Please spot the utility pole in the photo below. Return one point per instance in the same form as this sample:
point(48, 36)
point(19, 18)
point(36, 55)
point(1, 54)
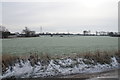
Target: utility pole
point(40, 29)
point(68, 33)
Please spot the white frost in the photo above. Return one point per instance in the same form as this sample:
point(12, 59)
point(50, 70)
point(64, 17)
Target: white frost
point(57, 67)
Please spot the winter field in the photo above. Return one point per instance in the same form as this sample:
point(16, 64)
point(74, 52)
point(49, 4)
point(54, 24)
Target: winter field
point(58, 56)
point(59, 45)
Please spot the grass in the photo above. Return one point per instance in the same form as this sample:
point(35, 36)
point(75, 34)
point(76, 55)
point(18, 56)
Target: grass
point(8, 60)
point(117, 53)
point(97, 57)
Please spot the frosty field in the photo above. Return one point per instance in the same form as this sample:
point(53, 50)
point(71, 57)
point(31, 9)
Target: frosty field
point(58, 45)
point(45, 65)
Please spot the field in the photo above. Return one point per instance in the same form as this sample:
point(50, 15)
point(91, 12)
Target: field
point(58, 45)
point(56, 56)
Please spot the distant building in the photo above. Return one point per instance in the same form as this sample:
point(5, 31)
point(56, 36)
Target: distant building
point(28, 33)
point(32, 33)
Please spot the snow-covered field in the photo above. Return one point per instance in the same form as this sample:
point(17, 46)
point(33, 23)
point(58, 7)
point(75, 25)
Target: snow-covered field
point(58, 67)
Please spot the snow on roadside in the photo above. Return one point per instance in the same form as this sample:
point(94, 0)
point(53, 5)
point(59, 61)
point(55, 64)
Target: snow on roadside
point(57, 67)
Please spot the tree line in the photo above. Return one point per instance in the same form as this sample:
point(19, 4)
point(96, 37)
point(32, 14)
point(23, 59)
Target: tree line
point(26, 32)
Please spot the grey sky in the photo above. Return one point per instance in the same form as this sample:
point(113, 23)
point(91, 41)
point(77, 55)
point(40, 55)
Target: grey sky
point(61, 16)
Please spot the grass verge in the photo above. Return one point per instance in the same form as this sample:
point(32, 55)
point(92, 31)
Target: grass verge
point(98, 57)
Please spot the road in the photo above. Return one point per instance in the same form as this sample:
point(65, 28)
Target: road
point(109, 75)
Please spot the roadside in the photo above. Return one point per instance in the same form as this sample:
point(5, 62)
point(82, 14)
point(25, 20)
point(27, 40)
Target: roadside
point(97, 76)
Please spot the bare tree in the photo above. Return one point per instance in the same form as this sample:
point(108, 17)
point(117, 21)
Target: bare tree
point(26, 31)
point(4, 33)
point(85, 32)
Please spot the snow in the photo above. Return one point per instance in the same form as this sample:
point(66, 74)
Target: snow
point(57, 67)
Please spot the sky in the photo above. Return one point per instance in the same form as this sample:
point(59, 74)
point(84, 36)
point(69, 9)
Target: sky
point(60, 15)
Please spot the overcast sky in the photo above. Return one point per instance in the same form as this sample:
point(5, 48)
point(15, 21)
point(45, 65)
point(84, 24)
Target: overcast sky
point(61, 15)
